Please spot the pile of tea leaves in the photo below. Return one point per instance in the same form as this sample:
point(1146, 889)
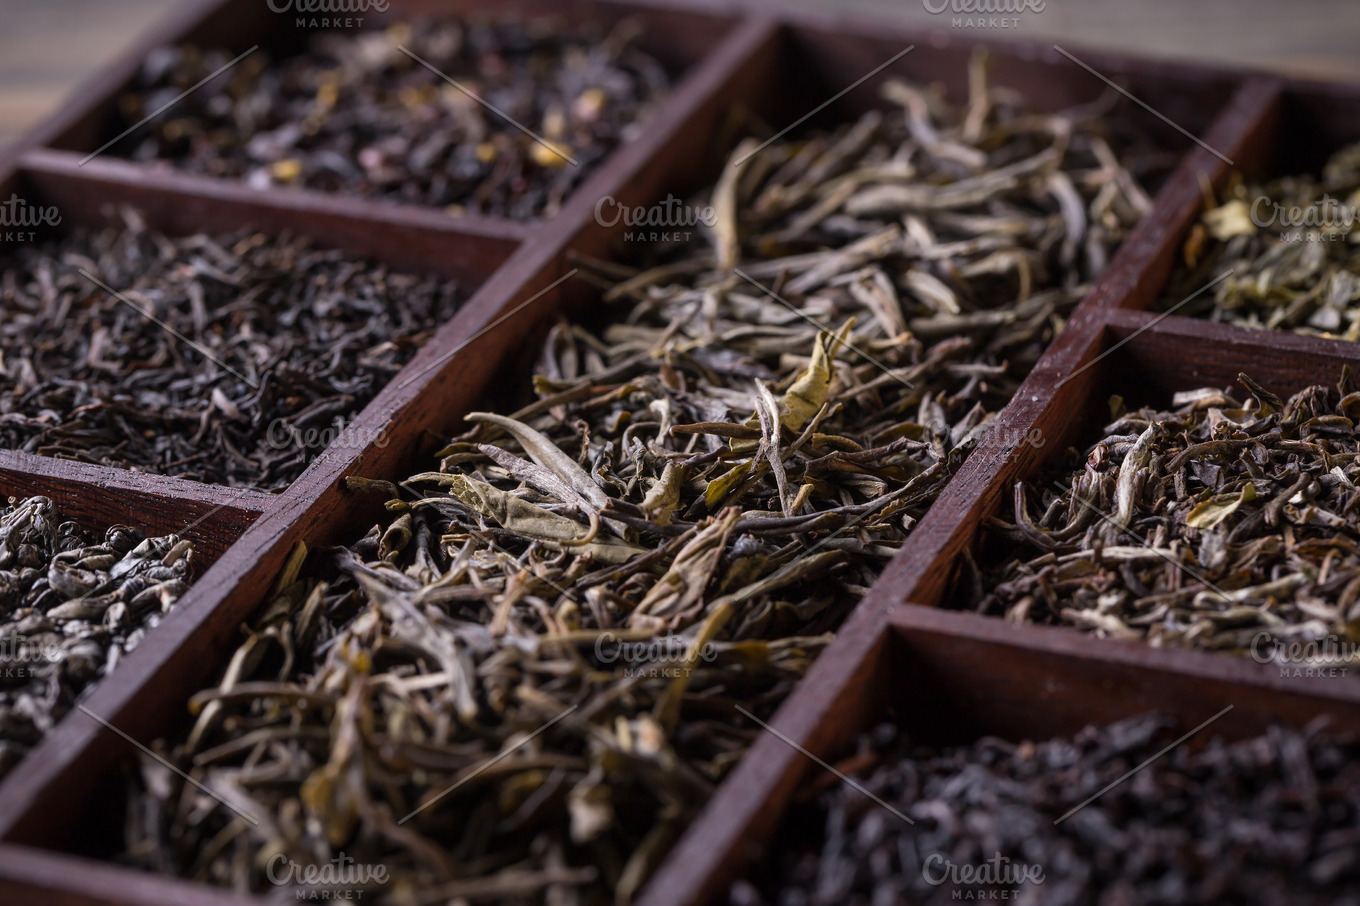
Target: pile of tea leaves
point(1264, 820)
point(71, 605)
point(558, 621)
point(1288, 248)
point(233, 360)
point(970, 230)
point(1217, 524)
point(500, 117)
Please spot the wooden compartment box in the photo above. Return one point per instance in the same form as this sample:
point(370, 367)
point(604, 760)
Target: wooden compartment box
point(732, 67)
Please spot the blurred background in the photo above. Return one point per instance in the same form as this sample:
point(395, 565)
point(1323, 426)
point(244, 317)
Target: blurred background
point(48, 46)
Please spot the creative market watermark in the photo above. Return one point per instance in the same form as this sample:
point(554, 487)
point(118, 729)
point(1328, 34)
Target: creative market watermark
point(20, 220)
point(994, 445)
point(1007, 438)
point(333, 13)
point(339, 879)
point(666, 656)
point(283, 435)
point(998, 878)
point(669, 220)
point(1324, 220)
point(19, 655)
point(983, 13)
point(1322, 658)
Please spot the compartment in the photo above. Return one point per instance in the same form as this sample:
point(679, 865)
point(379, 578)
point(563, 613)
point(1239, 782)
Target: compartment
point(89, 568)
point(400, 108)
point(947, 680)
point(1187, 566)
point(1008, 447)
point(807, 77)
point(236, 358)
point(1274, 251)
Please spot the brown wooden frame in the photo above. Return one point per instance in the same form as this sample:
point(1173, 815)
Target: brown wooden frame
point(994, 677)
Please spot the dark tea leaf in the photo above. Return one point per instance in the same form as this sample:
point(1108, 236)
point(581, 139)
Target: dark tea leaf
point(233, 360)
point(1261, 821)
point(70, 607)
point(355, 113)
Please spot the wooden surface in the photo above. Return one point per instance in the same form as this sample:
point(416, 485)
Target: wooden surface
point(969, 664)
point(995, 677)
point(47, 47)
point(212, 518)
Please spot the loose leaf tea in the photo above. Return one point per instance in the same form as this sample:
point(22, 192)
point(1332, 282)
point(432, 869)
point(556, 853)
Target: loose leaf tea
point(1265, 820)
point(1290, 245)
point(958, 238)
point(524, 683)
point(233, 360)
point(71, 606)
point(1219, 524)
point(355, 113)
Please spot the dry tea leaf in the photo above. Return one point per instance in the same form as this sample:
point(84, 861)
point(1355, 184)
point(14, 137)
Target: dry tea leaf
point(279, 345)
point(1211, 513)
point(356, 112)
point(71, 606)
point(1290, 245)
point(1217, 524)
point(1051, 822)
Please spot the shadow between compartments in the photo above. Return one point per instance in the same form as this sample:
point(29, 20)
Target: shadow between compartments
point(751, 68)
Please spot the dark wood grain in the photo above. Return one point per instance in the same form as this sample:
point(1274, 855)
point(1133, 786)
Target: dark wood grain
point(98, 496)
point(1020, 681)
point(1168, 353)
point(33, 877)
point(465, 248)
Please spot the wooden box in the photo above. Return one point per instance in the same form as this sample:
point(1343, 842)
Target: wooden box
point(982, 675)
